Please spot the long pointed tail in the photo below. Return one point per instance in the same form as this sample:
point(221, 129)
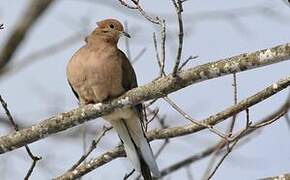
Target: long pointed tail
point(136, 146)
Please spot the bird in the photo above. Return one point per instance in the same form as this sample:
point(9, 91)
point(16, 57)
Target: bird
point(98, 72)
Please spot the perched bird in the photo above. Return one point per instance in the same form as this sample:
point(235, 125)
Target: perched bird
point(100, 71)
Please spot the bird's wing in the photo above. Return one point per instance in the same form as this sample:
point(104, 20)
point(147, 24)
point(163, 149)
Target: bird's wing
point(129, 80)
point(137, 147)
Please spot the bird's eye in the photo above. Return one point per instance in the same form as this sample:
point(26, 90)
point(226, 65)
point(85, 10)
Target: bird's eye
point(111, 26)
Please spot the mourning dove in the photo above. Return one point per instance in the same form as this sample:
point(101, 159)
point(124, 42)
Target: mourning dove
point(98, 72)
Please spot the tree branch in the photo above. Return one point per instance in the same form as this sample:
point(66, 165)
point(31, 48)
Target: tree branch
point(156, 89)
point(280, 177)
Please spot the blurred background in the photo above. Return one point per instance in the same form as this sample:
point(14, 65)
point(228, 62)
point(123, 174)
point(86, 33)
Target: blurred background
point(35, 87)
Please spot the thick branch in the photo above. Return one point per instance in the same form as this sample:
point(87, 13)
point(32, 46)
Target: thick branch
point(155, 89)
point(280, 177)
point(33, 12)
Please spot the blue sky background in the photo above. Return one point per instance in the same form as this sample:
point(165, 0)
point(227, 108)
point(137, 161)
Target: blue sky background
point(213, 30)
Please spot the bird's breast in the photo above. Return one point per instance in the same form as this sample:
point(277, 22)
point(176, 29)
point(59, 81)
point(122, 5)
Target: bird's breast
point(99, 76)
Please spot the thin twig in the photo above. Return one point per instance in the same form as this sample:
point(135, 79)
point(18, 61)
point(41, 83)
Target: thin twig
point(232, 124)
point(229, 149)
point(222, 159)
point(161, 62)
point(230, 131)
point(242, 133)
point(92, 147)
point(235, 141)
point(151, 102)
point(186, 116)
point(138, 56)
point(156, 50)
point(154, 20)
point(137, 6)
point(154, 115)
point(14, 124)
point(162, 147)
point(269, 122)
point(129, 174)
point(127, 5)
point(186, 61)
point(162, 124)
point(179, 10)
point(163, 50)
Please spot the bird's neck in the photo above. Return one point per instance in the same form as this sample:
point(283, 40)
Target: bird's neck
point(101, 42)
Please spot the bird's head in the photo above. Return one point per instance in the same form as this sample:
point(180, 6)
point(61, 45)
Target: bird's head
point(109, 30)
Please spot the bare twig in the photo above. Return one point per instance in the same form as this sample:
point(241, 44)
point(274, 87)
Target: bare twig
point(154, 115)
point(157, 52)
point(232, 124)
point(163, 41)
point(92, 147)
point(179, 9)
point(137, 6)
point(183, 163)
point(229, 149)
point(129, 174)
point(242, 133)
point(162, 147)
point(222, 159)
point(270, 121)
point(154, 20)
point(211, 163)
point(162, 124)
point(186, 116)
point(127, 5)
point(139, 55)
point(33, 157)
point(186, 61)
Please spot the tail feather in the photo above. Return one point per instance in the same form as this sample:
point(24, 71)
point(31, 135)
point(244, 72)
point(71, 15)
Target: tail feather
point(145, 170)
point(136, 146)
point(139, 138)
point(130, 149)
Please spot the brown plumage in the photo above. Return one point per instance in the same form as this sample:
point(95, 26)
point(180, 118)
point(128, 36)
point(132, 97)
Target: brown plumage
point(99, 71)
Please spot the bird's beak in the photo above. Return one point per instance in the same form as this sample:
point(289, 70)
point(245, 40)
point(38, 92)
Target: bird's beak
point(126, 34)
